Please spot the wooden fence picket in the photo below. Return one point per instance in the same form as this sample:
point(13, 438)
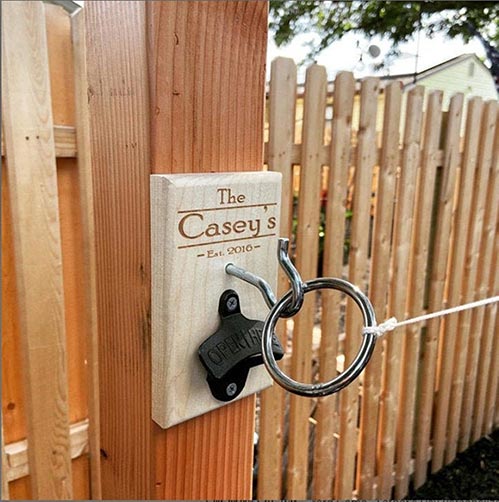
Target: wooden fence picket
point(416, 286)
point(490, 329)
point(438, 269)
point(481, 156)
point(326, 413)
point(378, 286)
point(397, 294)
point(358, 255)
point(32, 184)
point(477, 261)
point(484, 289)
point(443, 419)
point(307, 250)
point(282, 102)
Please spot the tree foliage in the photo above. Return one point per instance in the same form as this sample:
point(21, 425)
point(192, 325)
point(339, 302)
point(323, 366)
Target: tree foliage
point(396, 21)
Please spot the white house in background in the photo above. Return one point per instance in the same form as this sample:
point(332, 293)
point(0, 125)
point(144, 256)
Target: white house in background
point(465, 73)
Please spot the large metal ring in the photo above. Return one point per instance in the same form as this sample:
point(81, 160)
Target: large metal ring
point(348, 375)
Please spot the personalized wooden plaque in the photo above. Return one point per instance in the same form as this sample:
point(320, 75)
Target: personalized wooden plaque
point(199, 223)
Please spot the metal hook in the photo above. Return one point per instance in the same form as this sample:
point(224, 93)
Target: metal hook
point(297, 294)
point(289, 305)
point(356, 366)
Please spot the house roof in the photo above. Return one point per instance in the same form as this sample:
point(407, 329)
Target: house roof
point(407, 78)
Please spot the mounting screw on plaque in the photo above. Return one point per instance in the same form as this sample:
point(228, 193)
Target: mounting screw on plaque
point(233, 349)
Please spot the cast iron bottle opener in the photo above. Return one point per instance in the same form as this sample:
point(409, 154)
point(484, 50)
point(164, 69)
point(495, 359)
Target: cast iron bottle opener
point(233, 349)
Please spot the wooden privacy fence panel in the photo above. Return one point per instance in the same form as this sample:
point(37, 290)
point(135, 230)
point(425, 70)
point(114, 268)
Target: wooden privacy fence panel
point(46, 398)
point(412, 221)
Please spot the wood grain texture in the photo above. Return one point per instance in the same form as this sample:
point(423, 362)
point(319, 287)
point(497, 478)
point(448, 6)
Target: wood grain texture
point(20, 489)
point(85, 200)
point(206, 73)
point(64, 139)
point(282, 102)
point(402, 229)
point(5, 481)
point(16, 454)
point(118, 111)
point(455, 282)
point(476, 268)
point(357, 266)
point(470, 265)
point(185, 210)
point(30, 143)
point(13, 401)
point(440, 252)
point(489, 327)
point(324, 154)
point(378, 287)
point(80, 468)
point(485, 288)
point(207, 85)
point(73, 273)
point(61, 70)
point(326, 413)
point(307, 250)
point(416, 287)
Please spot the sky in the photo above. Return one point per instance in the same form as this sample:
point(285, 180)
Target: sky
point(344, 54)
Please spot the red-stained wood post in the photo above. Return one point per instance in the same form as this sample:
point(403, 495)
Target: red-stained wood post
point(173, 87)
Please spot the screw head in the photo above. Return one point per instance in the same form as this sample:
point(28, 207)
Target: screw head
point(231, 303)
point(231, 389)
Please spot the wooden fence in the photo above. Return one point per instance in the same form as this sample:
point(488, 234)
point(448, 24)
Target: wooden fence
point(419, 222)
point(421, 235)
point(49, 358)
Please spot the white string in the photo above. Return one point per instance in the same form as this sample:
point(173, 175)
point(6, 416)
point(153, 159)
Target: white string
point(392, 323)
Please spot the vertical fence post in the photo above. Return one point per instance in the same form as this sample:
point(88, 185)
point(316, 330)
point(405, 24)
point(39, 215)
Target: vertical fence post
point(32, 183)
point(85, 183)
point(172, 87)
point(118, 110)
point(206, 71)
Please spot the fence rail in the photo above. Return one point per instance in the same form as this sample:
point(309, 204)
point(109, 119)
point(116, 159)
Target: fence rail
point(421, 236)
